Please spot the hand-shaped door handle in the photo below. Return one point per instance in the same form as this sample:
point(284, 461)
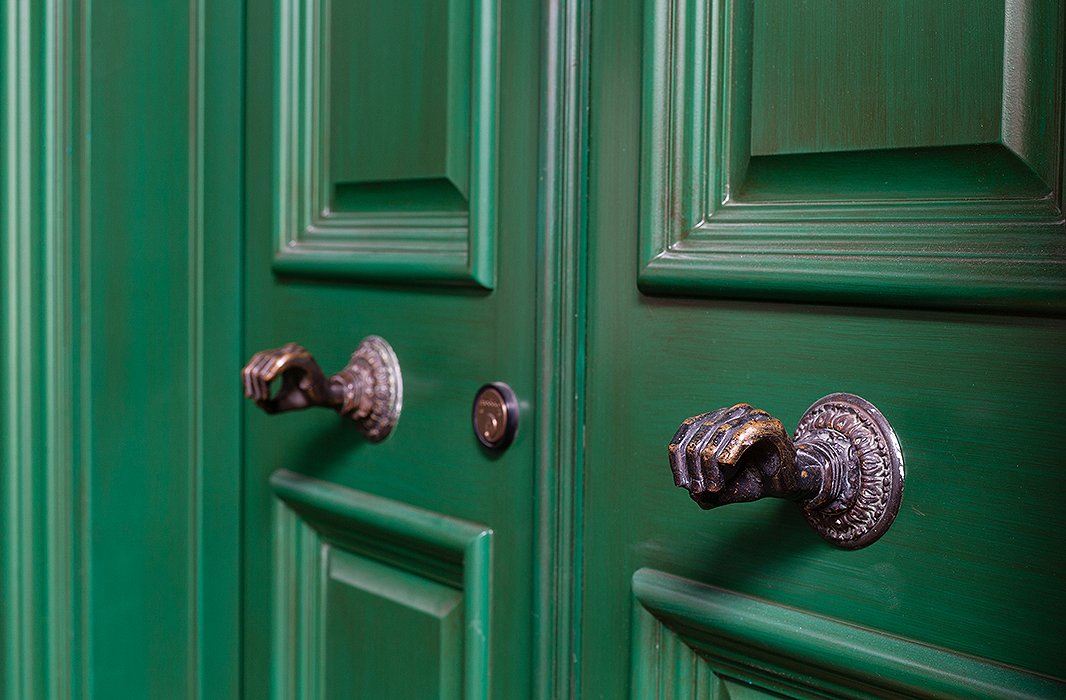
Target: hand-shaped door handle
point(368, 390)
point(844, 466)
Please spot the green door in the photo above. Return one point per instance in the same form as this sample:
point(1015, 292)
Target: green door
point(391, 160)
point(791, 199)
point(629, 211)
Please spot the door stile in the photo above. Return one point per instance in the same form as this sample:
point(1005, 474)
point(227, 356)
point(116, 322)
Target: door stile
point(561, 332)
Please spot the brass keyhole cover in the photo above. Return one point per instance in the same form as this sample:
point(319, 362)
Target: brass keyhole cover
point(495, 415)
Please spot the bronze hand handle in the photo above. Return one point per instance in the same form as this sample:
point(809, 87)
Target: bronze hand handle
point(844, 467)
point(369, 389)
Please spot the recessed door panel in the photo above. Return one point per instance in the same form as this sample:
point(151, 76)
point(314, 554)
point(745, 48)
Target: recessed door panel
point(697, 641)
point(369, 589)
point(387, 181)
point(386, 142)
point(903, 153)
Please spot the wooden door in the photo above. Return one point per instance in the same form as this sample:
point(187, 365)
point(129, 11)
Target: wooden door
point(783, 200)
point(790, 199)
point(391, 191)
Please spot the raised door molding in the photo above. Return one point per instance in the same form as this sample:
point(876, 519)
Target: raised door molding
point(691, 640)
point(385, 156)
point(926, 171)
point(376, 598)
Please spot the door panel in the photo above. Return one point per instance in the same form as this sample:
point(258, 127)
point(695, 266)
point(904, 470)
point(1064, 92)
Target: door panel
point(369, 588)
point(700, 298)
point(344, 241)
point(698, 641)
point(853, 152)
point(386, 143)
point(786, 200)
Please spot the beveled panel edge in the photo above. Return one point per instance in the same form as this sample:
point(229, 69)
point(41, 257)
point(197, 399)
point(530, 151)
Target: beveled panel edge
point(311, 513)
point(1014, 286)
point(739, 249)
point(372, 263)
point(434, 603)
point(410, 242)
point(780, 643)
point(662, 664)
point(339, 511)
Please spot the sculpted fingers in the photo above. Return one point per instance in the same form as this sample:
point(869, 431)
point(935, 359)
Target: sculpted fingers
point(707, 454)
point(261, 385)
point(248, 374)
point(694, 434)
point(264, 367)
point(683, 475)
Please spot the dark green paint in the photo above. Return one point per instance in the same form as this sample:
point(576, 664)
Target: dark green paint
point(368, 589)
point(947, 172)
point(977, 225)
point(426, 194)
point(855, 75)
point(398, 90)
point(328, 218)
point(560, 358)
point(380, 623)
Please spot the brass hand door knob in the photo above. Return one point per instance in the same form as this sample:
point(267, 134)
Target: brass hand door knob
point(844, 467)
point(368, 390)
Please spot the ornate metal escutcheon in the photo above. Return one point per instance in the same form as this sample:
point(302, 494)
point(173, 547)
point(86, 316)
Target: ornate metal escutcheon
point(844, 466)
point(369, 389)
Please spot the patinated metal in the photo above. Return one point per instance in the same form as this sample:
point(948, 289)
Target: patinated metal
point(844, 466)
point(369, 390)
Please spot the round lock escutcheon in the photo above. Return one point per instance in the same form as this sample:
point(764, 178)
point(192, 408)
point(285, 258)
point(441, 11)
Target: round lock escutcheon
point(495, 415)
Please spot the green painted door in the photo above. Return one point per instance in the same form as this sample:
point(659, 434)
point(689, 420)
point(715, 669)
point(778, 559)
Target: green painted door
point(632, 212)
point(391, 189)
point(120, 292)
point(392, 171)
point(790, 199)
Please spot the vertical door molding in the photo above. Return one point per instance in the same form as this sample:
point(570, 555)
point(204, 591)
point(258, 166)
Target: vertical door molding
point(561, 295)
point(120, 232)
point(216, 298)
point(39, 414)
point(160, 104)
